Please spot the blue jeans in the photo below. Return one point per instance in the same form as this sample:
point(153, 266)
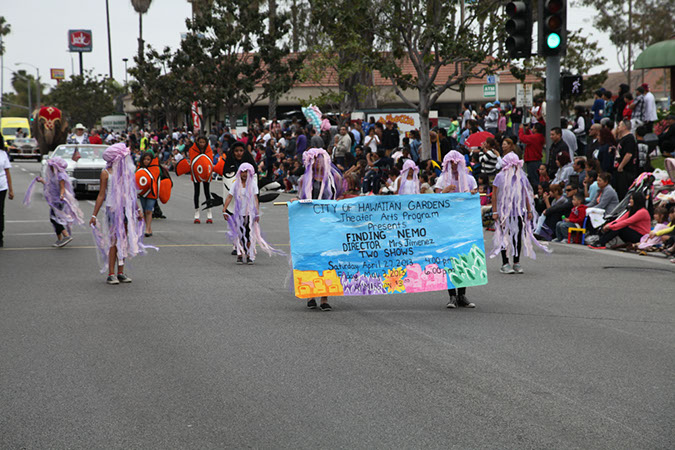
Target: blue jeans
point(533, 173)
point(148, 204)
point(561, 229)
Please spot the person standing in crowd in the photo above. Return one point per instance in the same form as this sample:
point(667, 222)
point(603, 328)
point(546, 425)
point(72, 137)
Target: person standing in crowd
point(620, 103)
point(371, 141)
point(557, 146)
point(626, 158)
point(343, 147)
point(608, 112)
point(466, 115)
point(492, 119)
point(639, 109)
point(301, 143)
point(516, 118)
point(579, 128)
point(6, 190)
point(79, 136)
point(593, 143)
point(650, 109)
point(94, 138)
point(534, 141)
point(569, 137)
point(456, 178)
point(489, 156)
point(598, 107)
point(315, 140)
point(667, 137)
point(513, 213)
point(390, 137)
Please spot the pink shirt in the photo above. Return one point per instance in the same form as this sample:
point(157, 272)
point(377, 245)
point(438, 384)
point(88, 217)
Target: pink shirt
point(640, 222)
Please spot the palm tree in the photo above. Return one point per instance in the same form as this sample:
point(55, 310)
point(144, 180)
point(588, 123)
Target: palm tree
point(5, 29)
point(141, 7)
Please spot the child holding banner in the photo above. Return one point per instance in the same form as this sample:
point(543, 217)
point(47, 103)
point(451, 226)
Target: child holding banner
point(456, 178)
point(513, 213)
point(244, 221)
point(321, 181)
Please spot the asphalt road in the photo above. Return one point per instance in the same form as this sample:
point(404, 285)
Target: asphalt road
point(579, 352)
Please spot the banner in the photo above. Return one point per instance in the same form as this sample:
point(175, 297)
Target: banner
point(393, 244)
point(196, 117)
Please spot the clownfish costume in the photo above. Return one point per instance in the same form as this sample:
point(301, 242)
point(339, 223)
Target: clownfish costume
point(153, 183)
point(200, 165)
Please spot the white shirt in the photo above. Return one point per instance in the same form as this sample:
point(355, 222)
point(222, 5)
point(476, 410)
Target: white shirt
point(471, 181)
point(650, 107)
point(372, 143)
point(4, 164)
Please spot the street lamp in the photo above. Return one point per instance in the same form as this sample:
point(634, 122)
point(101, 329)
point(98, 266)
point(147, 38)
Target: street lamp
point(37, 81)
point(126, 74)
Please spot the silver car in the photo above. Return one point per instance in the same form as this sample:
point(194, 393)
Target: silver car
point(23, 148)
point(84, 171)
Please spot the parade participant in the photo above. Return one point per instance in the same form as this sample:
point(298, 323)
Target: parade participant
point(513, 206)
point(119, 236)
point(200, 167)
point(407, 182)
point(6, 190)
point(323, 181)
point(147, 182)
point(456, 178)
point(79, 136)
point(64, 210)
point(244, 222)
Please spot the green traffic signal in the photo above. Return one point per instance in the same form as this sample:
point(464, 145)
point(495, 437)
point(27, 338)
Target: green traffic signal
point(553, 40)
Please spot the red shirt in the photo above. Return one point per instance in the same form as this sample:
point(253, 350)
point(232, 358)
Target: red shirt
point(578, 215)
point(534, 144)
point(95, 139)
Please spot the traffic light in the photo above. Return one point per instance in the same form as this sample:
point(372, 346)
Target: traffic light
point(519, 28)
point(572, 86)
point(552, 18)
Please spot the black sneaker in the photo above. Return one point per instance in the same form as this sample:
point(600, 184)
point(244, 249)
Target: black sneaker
point(311, 303)
point(234, 252)
point(112, 279)
point(123, 278)
point(240, 260)
point(464, 302)
point(452, 303)
point(325, 307)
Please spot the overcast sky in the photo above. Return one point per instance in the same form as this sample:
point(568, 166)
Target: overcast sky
point(39, 33)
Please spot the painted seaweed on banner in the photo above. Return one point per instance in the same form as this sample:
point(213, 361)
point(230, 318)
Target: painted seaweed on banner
point(395, 244)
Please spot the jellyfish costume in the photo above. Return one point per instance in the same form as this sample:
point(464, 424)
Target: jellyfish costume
point(321, 180)
point(64, 212)
point(407, 186)
point(121, 226)
point(514, 196)
point(244, 228)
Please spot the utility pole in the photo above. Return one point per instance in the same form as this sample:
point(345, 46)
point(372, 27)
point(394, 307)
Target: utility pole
point(462, 99)
point(107, 16)
point(552, 96)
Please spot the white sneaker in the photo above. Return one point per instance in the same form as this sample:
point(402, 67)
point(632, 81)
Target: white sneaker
point(506, 268)
point(196, 214)
point(209, 215)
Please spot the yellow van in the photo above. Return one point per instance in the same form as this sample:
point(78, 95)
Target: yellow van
point(9, 126)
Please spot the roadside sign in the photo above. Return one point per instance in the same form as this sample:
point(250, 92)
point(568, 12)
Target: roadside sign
point(492, 79)
point(524, 95)
point(57, 74)
point(79, 40)
point(489, 91)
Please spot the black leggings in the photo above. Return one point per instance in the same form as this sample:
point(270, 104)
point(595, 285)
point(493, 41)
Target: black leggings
point(3, 194)
point(626, 234)
point(207, 192)
point(246, 236)
point(518, 240)
point(454, 292)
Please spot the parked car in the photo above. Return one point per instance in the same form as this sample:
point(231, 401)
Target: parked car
point(24, 148)
point(85, 171)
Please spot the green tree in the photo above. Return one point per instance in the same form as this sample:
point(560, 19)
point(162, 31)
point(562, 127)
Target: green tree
point(158, 90)
point(633, 25)
point(431, 35)
point(16, 102)
point(227, 59)
point(141, 7)
point(85, 98)
point(344, 42)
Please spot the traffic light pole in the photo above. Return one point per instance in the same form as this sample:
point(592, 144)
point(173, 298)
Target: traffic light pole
point(552, 96)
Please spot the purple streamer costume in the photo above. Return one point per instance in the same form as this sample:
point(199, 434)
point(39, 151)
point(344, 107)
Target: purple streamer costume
point(65, 212)
point(121, 226)
point(514, 194)
point(317, 161)
point(409, 186)
point(447, 178)
point(244, 228)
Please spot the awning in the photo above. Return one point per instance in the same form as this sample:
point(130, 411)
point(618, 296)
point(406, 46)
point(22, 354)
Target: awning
point(661, 54)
